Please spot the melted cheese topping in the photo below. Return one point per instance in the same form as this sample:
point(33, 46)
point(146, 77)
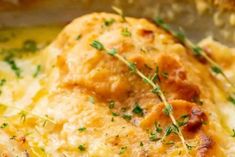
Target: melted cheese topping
point(86, 103)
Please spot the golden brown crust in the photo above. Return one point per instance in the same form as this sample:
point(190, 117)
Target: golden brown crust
point(175, 82)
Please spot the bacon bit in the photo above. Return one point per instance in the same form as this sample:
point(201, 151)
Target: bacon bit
point(205, 144)
point(196, 119)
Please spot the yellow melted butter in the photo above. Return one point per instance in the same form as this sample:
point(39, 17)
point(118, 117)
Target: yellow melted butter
point(15, 37)
point(21, 92)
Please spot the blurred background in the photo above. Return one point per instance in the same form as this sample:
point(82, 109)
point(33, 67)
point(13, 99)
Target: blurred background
point(198, 18)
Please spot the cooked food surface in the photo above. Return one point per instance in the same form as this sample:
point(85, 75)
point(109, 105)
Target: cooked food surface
point(82, 101)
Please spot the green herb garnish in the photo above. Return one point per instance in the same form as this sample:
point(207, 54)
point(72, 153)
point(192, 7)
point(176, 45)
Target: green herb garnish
point(97, 45)
point(126, 32)
point(216, 69)
point(78, 37)
point(183, 120)
point(37, 71)
point(81, 148)
point(231, 99)
point(4, 125)
point(158, 127)
point(2, 82)
point(14, 66)
point(112, 52)
point(233, 135)
point(195, 49)
point(153, 136)
point(115, 114)
point(127, 117)
point(168, 109)
point(123, 150)
point(109, 22)
point(82, 129)
point(159, 93)
point(168, 131)
point(138, 110)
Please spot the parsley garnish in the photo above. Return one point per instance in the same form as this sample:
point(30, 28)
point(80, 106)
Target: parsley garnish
point(14, 67)
point(78, 37)
point(23, 116)
point(126, 32)
point(127, 117)
point(115, 114)
point(109, 22)
point(37, 71)
point(2, 82)
point(4, 125)
point(157, 127)
point(138, 110)
point(233, 135)
point(231, 99)
point(153, 136)
point(123, 150)
point(81, 148)
point(82, 129)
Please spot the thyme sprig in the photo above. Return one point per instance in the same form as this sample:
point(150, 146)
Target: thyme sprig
point(23, 113)
point(155, 86)
point(195, 49)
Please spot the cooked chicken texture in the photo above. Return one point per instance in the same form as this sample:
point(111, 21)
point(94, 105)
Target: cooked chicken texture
point(99, 108)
